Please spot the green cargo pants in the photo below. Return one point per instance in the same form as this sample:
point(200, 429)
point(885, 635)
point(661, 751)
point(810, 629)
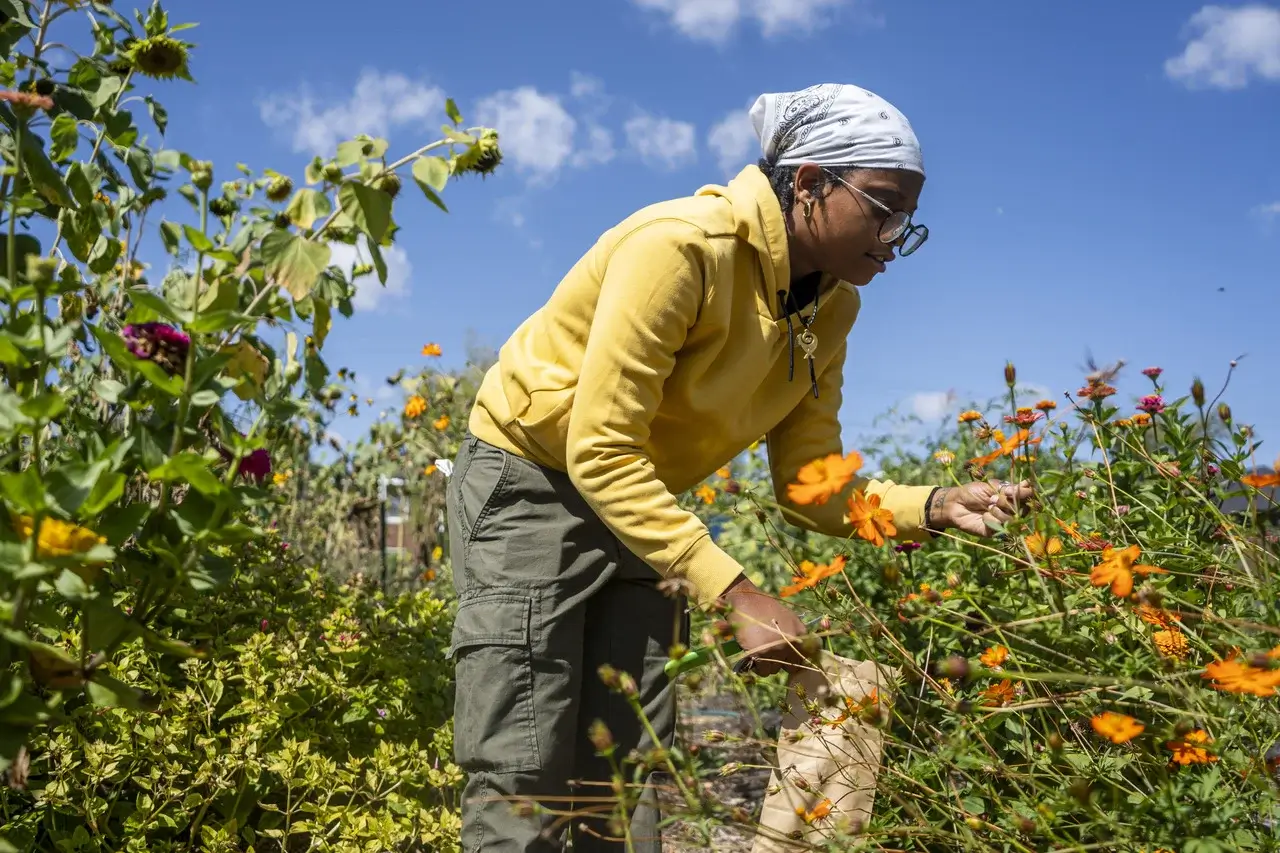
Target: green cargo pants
point(546, 595)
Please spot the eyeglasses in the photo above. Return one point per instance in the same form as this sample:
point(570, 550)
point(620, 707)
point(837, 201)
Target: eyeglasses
point(896, 229)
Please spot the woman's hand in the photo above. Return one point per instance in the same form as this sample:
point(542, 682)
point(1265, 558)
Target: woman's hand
point(769, 632)
point(974, 507)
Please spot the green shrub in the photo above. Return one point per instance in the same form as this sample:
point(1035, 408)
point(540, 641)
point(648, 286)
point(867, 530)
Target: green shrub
point(317, 718)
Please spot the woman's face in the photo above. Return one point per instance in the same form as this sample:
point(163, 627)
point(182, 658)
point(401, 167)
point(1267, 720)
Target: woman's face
point(842, 237)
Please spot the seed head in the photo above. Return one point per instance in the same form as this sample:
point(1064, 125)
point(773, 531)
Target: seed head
point(279, 188)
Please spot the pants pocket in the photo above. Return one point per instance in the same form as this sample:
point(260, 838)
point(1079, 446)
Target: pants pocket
point(495, 723)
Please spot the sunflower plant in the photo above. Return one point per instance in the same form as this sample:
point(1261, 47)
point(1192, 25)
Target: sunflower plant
point(139, 404)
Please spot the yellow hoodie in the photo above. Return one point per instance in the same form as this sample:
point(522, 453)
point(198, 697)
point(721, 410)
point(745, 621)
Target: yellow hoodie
point(662, 355)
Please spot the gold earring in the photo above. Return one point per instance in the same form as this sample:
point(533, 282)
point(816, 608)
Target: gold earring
point(808, 211)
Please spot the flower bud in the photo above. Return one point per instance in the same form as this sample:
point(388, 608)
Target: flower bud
point(279, 188)
point(1010, 374)
point(202, 174)
point(954, 667)
point(600, 736)
point(1197, 392)
point(389, 183)
point(1056, 742)
point(40, 271)
point(713, 736)
point(1224, 413)
point(627, 685)
point(1026, 825)
point(332, 173)
point(608, 676)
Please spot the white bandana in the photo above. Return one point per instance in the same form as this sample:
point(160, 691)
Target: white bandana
point(833, 124)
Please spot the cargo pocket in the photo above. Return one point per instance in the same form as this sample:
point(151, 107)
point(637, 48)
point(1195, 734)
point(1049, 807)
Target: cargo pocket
point(495, 727)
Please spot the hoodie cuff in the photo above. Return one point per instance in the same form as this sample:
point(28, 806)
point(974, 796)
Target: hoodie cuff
point(708, 569)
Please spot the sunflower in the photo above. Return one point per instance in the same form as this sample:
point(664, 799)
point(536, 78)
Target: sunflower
point(160, 57)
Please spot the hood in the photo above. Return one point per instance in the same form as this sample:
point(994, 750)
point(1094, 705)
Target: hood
point(758, 217)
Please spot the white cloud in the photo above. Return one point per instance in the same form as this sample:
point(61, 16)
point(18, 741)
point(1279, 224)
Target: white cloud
point(1269, 211)
point(369, 291)
point(1229, 47)
point(734, 142)
point(535, 130)
point(714, 20)
point(662, 143)
point(599, 148)
point(379, 104)
point(931, 405)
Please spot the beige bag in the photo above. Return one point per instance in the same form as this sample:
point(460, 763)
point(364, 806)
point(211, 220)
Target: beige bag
point(826, 772)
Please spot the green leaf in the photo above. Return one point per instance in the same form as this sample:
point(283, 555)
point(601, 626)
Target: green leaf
point(321, 323)
point(103, 623)
point(109, 390)
point(17, 11)
point(112, 692)
point(248, 367)
point(379, 262)
point(291, 367)
point(431, 172)
point(294, 263)
point(198, 239)
point(159, 114)
point(369, 209)
point(169, 235)
point(204, 399)
point(24, 490)
point(71, 586)
point(45, 176)
point(71, 485)
point(211, 572)
point(307, 206)
point(169, 646)
point(150, 300)
point(106, 491)
point(350, 152)
point(65, 136)
point(191, 467)
point(46, 406)
point(11, 416)
point(451, 110)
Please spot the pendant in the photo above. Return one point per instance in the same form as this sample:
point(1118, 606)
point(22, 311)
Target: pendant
point(808, 342)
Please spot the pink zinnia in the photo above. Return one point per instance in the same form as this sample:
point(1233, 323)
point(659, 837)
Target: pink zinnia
point(158, 342)
point(257, 465)
point(1153, 373)
point(1099, 391)
point(1152, 404)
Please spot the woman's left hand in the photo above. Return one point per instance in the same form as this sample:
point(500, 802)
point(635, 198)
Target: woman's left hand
point(974, 507)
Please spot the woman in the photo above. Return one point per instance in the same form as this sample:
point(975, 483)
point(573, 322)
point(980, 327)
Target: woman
point(687, 332)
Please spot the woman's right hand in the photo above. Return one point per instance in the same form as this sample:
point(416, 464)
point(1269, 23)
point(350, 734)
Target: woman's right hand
point(767, 630)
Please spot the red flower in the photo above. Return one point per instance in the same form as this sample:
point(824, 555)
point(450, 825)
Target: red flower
point(1152, 404)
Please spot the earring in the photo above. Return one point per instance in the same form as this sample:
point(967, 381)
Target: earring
point(808, 211)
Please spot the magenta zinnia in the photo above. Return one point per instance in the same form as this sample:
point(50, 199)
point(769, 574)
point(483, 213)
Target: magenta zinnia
point(256, 466)
point(1152, 404)
point(1152, 372)
point(158, 342)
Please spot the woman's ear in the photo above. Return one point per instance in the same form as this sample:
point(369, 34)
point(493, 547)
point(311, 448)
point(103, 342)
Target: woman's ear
point(808, 185)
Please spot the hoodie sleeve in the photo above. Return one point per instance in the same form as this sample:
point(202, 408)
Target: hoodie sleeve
point(812, 431)
point(650, 296)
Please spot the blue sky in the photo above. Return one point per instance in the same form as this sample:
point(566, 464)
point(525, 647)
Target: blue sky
point(1101, 177)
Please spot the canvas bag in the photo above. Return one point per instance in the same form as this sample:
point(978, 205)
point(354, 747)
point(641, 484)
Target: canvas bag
point(836, 760)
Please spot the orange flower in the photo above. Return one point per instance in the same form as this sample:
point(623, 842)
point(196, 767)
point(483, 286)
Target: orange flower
point(432, 349)
point(999, 694)
point(994, 656)
point(1140, 419)
point(1232, 676)
point(1172, 644)
point(822, 478)
point(1153, 615)
point(1189, 750)
point(1124, 422)
point(441, 423)
point(429, 470)
point(1041, 547)
point(724, 473)
point(1117, 569)
point(1117, 728)
point(1262, 481)
point(870, 521)
point(1008, 446)
point(969, 417)
point(811, 575)
point(706, 494)
point(819, 811)
point(1046, 405)
point(415, 406)
point(1072, 529)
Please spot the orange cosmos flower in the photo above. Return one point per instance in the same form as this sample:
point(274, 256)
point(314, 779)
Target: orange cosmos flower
point(819, 811)
point(1117, 569)
point(441, 423)
point(1008, 446)
point(415, 406)
point(1189, 749)
point(969, 417)
point(810, 575)
point(1117, 728)
point(1263, 481)
point(994, 656)
point(706, 494)
point(998, 695)
point(870, 521)
point(1153, 615)
point(1232, 676)
point(432, 349)
point(1172, 644)
point(822, 478)
point(724, 473)
point(1072, 529)
point(1046, 405)
point(1041, 547)
point(429, 470)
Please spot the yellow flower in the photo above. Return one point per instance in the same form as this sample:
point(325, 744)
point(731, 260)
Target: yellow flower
point(441, 423)
point(429, 470)
point(280, 477)
point(415, 407)
point(994, 656)
point(432, 349)
point(969, 417)
point(1172, 644)
point(57, 538)
point(1039, 547)
point(436, 553)
point(706, 494)
point(724, 473)
point(1117, 728)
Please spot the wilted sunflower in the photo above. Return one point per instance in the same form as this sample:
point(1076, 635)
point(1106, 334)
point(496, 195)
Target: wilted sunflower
point(161, 57)
point(481, 158)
